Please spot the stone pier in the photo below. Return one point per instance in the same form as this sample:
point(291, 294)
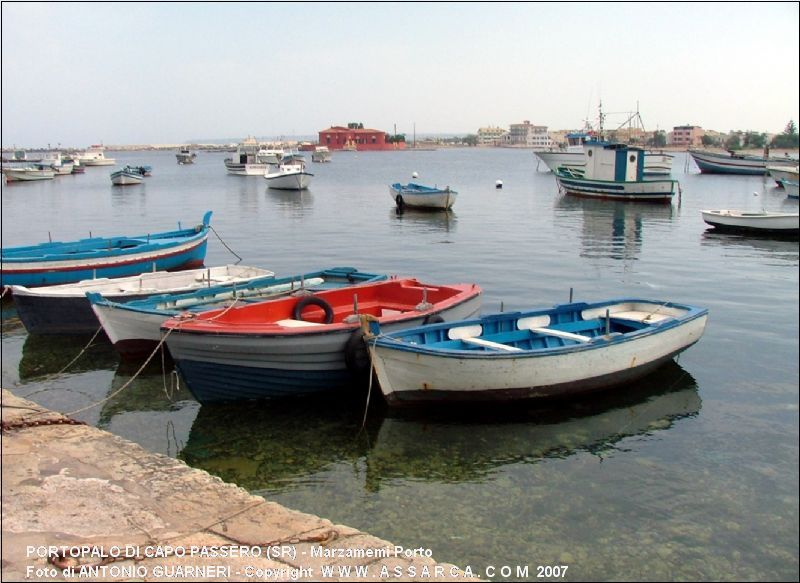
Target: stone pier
point(80, 503)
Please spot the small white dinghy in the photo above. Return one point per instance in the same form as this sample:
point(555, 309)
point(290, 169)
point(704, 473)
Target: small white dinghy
point(64, 309)
point(753, 221)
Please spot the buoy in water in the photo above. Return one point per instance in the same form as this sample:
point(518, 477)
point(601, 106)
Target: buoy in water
point(498, 184)
point(414, 175)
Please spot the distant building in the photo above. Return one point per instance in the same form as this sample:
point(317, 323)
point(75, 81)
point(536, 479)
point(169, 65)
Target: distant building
point(686, 136)
point(356, 137)
point(490, 136)
point(528, 135)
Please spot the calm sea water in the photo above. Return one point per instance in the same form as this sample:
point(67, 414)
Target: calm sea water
point(690, 474)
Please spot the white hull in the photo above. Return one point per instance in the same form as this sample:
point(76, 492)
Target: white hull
point(753, 221)
point(28, 175)
point(402, 372)
point(441, 201)
point(246, 169)
point(126, 179)
point(128, 327)
point(653, 163)
point(288, 180)
point(781, 173)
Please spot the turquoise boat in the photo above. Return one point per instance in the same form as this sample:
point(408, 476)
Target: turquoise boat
point(56, 262)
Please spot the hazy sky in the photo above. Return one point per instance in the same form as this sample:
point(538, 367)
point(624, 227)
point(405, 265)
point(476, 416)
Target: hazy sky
point(82, 73)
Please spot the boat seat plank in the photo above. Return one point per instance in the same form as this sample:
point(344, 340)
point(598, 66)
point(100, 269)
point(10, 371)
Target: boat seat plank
point(490, 344)
point(639, 316)
point(289, 323)
point(562, 334)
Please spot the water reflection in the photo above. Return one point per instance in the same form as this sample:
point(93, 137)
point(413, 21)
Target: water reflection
point(277, 446)
point(613, 229)
point(424, 221)
point(48, 355)
point(781, 247)
point(294, 203)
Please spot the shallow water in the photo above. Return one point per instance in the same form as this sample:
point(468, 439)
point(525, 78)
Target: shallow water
point(690, 474)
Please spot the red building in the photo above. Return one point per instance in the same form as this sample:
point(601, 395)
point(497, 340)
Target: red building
point(356, 137)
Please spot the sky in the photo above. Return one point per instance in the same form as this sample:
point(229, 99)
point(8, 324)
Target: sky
point(75, 74)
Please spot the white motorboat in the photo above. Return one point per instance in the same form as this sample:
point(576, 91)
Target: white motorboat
point(321, 154)
point(290, 174)
point(28, 173)
point(251, 159)
point(95, 156)
point(185, 156)
point(127, 176)
point(753, 221)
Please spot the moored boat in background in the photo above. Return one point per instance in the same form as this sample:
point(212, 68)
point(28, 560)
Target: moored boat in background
point(66, 262)
point(734, 163)
point(28, 173)
point(616, 172)
point(126, 176)
point(753, 221)
point(418, 196)
point(782, 173)
point(185, 156)
point(790, 186)
point(289, 174)
point(95, 156)
point(552, 353)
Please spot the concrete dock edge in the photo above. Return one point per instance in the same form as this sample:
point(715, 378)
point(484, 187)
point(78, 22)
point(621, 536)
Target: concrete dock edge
point(81, 503)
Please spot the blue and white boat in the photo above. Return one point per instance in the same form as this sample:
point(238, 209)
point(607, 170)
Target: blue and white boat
point(563, 351)
point(733, 163)
point(134, 327)
point(127, 176)
point(424, 197)
point(790, 186)
point(614, 171)
point(56, 262)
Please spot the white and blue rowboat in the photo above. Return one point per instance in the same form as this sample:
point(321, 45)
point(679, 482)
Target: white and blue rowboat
point(616, 172)
point(126, 176)
point(790, 186)
point(134, 327)
point(56, 262)
point(753, 222)
point(551, 353)
point(290, 346)
point(64, 309)
point(733, 163)
point(424, 197)
point(783, 173)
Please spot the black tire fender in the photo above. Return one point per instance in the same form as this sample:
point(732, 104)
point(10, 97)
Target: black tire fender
point(356, 356)
point(297, 313)
point(399, 201)
point(432, 319)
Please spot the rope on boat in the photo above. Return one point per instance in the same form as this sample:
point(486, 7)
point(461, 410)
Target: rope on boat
point(224, 243)
point(371, 376)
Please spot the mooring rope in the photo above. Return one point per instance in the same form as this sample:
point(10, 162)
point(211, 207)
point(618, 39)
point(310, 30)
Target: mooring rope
point(69, 364)
point(224, 243)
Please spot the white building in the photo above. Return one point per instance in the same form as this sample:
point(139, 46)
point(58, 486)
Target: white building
point(528, 135)
point(491, 136)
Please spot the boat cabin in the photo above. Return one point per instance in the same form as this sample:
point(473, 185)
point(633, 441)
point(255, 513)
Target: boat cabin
point(613, 162)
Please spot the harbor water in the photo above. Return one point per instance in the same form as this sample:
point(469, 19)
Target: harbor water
point(689, 474)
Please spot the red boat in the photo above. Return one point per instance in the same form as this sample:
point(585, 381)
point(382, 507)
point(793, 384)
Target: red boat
point(300, 345)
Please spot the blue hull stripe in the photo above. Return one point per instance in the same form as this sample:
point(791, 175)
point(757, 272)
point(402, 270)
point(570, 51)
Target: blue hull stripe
point(211, 382)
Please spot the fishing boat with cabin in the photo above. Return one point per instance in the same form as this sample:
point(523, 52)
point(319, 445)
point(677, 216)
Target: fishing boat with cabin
point(563, 351)
point(54, 262)
point(298, 346)
point(614, 171)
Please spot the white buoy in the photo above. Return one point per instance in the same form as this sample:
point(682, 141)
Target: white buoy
point(414, 175)
point(498, 184)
